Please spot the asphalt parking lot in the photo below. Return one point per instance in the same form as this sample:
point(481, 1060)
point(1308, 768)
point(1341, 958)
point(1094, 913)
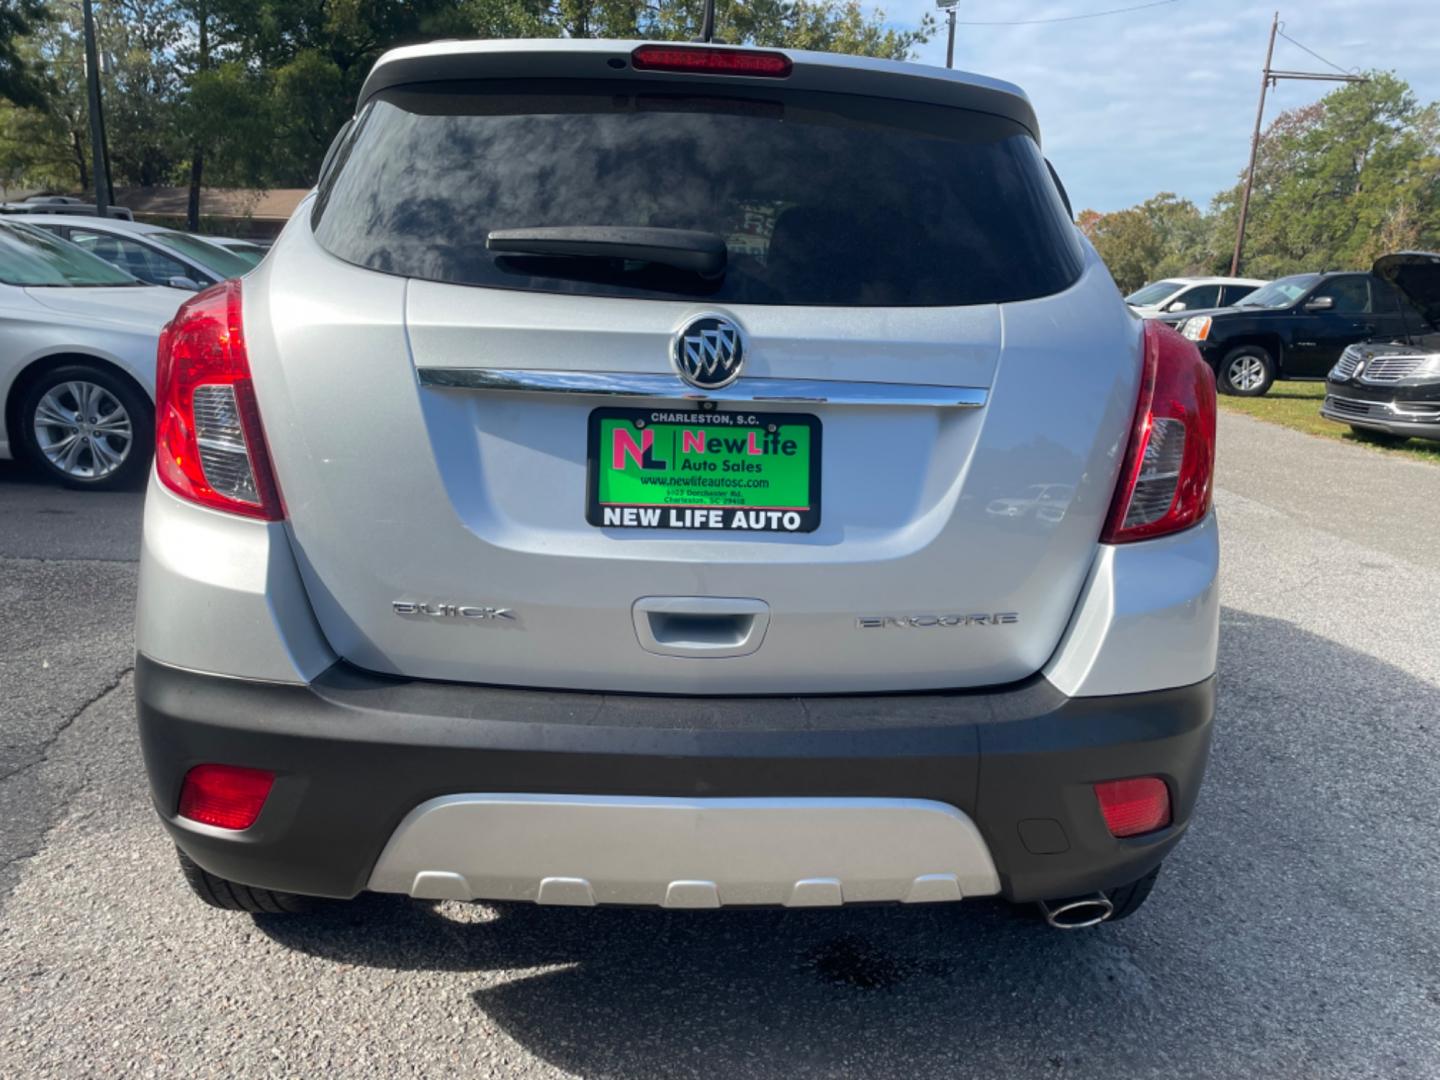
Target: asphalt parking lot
point(1292, 934)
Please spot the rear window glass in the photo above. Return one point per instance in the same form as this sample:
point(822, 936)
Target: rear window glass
point(1153, 294)
point(212, 257)
point(31, 256)
point(823, 199)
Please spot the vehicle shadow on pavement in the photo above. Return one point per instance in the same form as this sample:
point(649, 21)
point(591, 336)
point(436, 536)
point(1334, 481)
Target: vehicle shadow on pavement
point(1289, 931)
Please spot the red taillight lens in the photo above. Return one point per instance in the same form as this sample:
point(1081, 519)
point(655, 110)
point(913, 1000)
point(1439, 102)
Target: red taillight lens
point(1132, 807)
point(698, 58)
point(225, 796)
point(209, 446)
point(1166, 479)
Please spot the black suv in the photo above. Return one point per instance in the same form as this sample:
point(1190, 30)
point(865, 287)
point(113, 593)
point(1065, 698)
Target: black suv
point(1294, 328)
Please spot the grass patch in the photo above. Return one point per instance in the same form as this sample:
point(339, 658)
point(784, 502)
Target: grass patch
point(1297, 405)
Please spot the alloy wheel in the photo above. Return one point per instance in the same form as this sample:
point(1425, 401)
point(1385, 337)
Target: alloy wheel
point(1246, 372)
point(83, 430)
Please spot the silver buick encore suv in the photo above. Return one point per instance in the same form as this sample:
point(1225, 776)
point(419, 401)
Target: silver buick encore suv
point(618, 487)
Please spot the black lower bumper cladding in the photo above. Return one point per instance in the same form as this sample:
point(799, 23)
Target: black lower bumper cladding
point(353, 753)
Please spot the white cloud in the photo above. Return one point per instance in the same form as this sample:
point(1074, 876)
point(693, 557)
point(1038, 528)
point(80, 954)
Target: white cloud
point(1163, 99)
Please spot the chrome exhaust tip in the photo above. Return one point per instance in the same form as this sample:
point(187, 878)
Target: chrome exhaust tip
point(1077, 913)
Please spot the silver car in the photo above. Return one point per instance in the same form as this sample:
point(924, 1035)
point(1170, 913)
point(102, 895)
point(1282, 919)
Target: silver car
point(77, 360)
point(152, 253)
point(589, 500)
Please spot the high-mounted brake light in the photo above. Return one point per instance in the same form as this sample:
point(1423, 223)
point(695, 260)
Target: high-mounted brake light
point(1134, 807)
point(209, 445)
point(225, 796)
point(1166, 479)
point(699, 58)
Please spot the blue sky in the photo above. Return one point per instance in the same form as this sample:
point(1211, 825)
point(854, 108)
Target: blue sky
point(1163, 99)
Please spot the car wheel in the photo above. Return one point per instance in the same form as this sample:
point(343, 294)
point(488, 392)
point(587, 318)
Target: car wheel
point(232, 896)
point(1247, 371)
point(87, 427)
point(1377, 438)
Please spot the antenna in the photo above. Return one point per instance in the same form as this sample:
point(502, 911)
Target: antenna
point(707, 23)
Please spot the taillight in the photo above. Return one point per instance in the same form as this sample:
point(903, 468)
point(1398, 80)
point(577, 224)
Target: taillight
point(209, 445)
point(1166, 479)
point(1134, 807)
point(698, 58)
point(226, 796)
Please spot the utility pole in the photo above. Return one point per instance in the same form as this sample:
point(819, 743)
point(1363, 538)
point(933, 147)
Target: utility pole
point(97, 135)
point(949, 6)
point(1268, 78)
point(197, 155)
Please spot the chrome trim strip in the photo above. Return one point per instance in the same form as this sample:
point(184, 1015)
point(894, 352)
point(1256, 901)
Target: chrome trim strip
point(628, 385)
point(1427, 411)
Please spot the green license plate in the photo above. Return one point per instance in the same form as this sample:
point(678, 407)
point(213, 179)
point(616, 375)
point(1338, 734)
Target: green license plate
point(720, 471)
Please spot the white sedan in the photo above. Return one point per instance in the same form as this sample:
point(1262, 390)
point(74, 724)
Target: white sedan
point(1189, 294)
point(77, 360)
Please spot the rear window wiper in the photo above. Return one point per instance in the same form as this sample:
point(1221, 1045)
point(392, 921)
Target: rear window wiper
point(698, 252)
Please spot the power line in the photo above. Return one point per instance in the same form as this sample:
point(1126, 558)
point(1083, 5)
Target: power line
point(1071, 18)
point(1313, 53)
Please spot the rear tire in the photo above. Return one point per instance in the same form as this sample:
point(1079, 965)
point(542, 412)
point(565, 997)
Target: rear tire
point(232, 896)
point(1248, 371)
point(1129, 898)
point(87, 427)
point(1377, 438)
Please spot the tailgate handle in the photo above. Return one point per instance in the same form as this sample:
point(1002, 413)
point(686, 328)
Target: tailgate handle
point(700, 626)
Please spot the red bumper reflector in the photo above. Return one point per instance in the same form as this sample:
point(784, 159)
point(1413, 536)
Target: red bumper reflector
point(225, 796)
point(698, 58)
point(1133, 807)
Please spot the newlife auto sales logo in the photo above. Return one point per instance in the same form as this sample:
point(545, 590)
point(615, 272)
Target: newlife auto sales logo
point(709, 352)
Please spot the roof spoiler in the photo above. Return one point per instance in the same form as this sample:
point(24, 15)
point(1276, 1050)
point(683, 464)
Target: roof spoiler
point(602, 60)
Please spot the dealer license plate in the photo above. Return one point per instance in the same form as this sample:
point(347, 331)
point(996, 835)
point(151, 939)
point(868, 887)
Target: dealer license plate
point(720, 471)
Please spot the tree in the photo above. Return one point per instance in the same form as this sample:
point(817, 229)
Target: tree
point(312, 57)
point(22, 81)
point(1130, 244)
point(1180, 233)
point(141, 82)
point(1335, 179)
point(251, 92)
point(48, 146)
point(1337, 183)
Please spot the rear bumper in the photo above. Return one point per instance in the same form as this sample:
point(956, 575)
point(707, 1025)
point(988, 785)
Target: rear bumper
point(356, 755)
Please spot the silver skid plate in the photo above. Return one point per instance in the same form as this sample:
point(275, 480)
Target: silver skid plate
point(581, 850)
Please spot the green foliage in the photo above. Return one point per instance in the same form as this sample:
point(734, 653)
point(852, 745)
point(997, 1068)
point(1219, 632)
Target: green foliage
point(1344, 181)
point(1159, 238)
point(47, 147)
point(229, 112)
point(1337, 184)
point(141, 82)
point(22, 79)
point(261, 92)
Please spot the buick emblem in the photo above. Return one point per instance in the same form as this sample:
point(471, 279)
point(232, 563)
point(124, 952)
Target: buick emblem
point(708, 352)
